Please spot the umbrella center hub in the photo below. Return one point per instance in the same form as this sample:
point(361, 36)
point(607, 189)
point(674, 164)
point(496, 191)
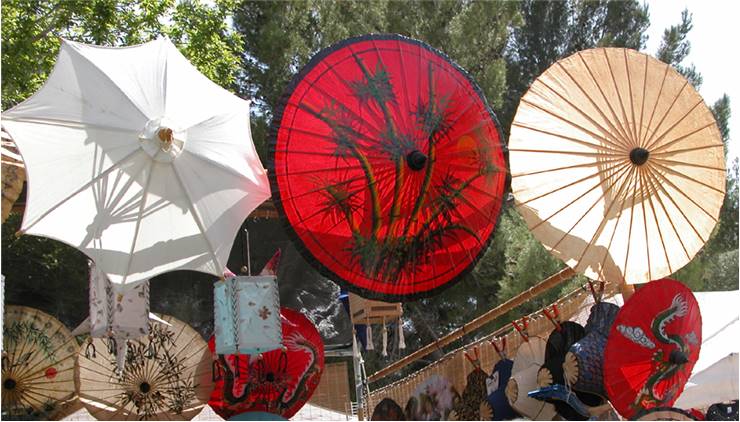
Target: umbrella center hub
point(270, 377)
point(161, 141)
point(9, 384)
point(639, 156)
point(416, 160)
point(144, 387)
point(678, 357)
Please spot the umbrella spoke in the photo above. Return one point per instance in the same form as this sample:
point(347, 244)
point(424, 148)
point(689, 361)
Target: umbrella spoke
point(644, 221)
point(644, 182)
point(617, 145)
point(673, 172)
point(140, 217)
point(657, 183)
point(678, 121)
point(635, 139)
point(569, 138)
point(622, 131)
point(619, 96)
point(659, 148)
point(574, 166)
point(87, 185)
point(667, 112)
point(583, 179)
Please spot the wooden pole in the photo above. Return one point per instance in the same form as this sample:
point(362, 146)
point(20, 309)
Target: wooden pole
point(626, 290)
point(531, 293)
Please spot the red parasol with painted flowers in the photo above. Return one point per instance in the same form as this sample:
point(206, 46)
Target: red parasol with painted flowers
point(387, 166)
point(652, 347)
point(279, 382)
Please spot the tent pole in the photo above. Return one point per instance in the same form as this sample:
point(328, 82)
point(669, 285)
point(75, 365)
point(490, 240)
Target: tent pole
point(531, 293)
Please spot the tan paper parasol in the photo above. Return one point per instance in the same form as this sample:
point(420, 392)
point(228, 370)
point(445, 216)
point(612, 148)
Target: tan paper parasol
point(13, 174)
point(167, 376)
point(529, 358)
point(617, 165)
point(38, 361)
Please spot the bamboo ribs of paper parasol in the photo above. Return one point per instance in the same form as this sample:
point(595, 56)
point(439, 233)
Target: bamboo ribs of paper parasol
point(617, 165)
point(38, 363)
point(13, 174)
point(167, 376)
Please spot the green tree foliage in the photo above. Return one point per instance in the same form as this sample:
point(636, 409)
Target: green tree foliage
point(674, 48)
point(31, 30)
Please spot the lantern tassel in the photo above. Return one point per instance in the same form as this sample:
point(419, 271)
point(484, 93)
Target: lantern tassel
point(121, 350)
point(385, 340)
point(369, 331)
point(401, 340)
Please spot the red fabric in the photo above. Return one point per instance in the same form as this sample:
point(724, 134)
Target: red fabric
point(340, 152)
point(279, 382)
point(629, 366)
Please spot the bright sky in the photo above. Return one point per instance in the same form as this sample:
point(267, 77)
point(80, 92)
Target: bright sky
point(714, 49)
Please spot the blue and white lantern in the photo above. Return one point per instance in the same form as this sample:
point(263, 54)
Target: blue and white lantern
point(247, 315)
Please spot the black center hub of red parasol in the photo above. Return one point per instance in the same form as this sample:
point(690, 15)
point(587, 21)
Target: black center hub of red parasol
point(144, 387)
point(9, 384)
point(416, 160)
point(270, 377)
point(639, 156)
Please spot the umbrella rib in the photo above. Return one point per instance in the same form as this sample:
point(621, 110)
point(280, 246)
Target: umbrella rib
point(115, 85)
point(644, 221)
point(667, 112)
point(644, 182)
point(142, 205)
point(643, 141)
point(678, 151)
point(683, 176)
point(657, 175)
point(629, 231)
point(317, 114)
point(655, 141)
point(566, 137)
point(617, 146)
point(635, 139)
point(41, 361)
point(590, 176)
point(566, 120)
point(627, 174)
point(325, 154)
point(83, 187)
point(380, 60)
point(684, 163)
point(619, 96)
point(619, 172)
point(622, 131)
point(682, 137)
point(632, 174)
point(196, 218)
point(584, 154)
point(323, 187)
point(601, 112)
point(589, 164)
point(650, 178)
point(642, 107)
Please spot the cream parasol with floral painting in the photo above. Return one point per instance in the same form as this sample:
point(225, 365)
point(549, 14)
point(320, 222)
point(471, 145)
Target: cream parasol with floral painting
point(38, 362)
point(167, 376)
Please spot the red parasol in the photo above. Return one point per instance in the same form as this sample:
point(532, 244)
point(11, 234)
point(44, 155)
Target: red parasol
point(387, 167)
point(652, 347)
point(279, 381)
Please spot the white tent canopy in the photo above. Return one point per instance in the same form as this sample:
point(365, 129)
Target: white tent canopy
point(715, 375)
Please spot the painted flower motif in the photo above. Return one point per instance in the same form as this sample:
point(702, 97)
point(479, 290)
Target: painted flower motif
point(264, 312)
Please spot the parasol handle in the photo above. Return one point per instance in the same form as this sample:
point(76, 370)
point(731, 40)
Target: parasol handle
point(597, 295)
point(553, 317)
point(522, 330)
point(500, 350)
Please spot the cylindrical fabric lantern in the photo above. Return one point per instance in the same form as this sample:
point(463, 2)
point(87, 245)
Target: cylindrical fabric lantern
point(247, 315)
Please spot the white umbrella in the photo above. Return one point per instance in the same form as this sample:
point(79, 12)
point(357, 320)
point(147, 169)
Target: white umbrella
point(138, 160)
point(716, 384)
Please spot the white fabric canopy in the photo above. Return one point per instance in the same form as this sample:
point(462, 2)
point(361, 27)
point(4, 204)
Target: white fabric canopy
point(715, 384)
point(138, 160)
point(715, 376)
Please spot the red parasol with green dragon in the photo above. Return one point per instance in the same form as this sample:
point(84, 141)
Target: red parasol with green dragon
point(652, 347)
point(387, 166)
point(279, 382)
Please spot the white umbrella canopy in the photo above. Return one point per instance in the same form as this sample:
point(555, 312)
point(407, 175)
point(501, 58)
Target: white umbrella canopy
point(138, 160)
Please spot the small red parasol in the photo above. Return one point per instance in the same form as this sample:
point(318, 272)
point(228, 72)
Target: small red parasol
point(280, 381)
point(652, 347)
point(387, 166)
